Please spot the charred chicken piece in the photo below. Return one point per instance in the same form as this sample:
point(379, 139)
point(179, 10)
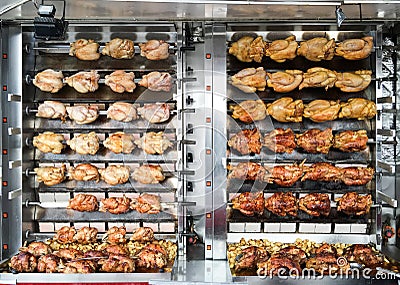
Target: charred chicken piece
point(282, 204)
point(86, 235)
point(279, 265)
point(152, 256)
point(116, 235)
point(49, 81)
point(250, 80)
point(157, 81)
point(23, 262)
point(83, 203)
point(318, 77)
point(249, 111)
point(117, 263)
point(37, 248)
point(51, 175)
point(85, 143)
point(122, 111)
point(287, 175)
point(115, 174)
point(352, 203)
point(48, 263)
point(85, 49)
point(148, 174)
point(353, 176)
point(280, 140)
point(315, 141)
point(358, 108)
point(119, 49)
point(315, 204)
point(326, 248)
point(351, 141)
point(65, 235)
point(119, 81)
point(84, 172)
point(241, 49)
point(281, 50)
point(79, 266)
point(116, 205)
point(364, 254)
point(249, 257)
point(323, 171)
point(111, 249)
point(249, 171)
point(143, 234)
point(120, 142)
point(353, 81)
point(147, 203)
point(154, 143)
point(49, 142)
point(285, 81)
point(84, 81)
point(294, 253)
point(155, 113)
point(154, 50)
point(317, 49)
point(83, 114)
point(52, 110)
point(326, 264)
point(249, 203)
point(322, 110)
point(246, 141)
point(355, 49)
point(286, 110)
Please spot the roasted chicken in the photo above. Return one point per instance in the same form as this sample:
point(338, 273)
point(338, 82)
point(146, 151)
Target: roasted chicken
point(83, 203)
point(351, 141)
point(116, 205)
point(37, 248)
point(115, 174)
point(154, 50)
point(355, 49)
point(364, 254)
point(148, 174)
point(249, 111)
point(147, 203)
point(49, 142)
point(280, 140)
point(84, 172)
point(85, 49)
point(353, 81)
point(326, 263)
point(119, 49)
point(86, 235)
point(294, 253)
point(257, 49)
point(249, 171)
point(358, 108)
point(48, 263)
point(69, 253)
point(317, 49)
point(143, 234)
point(111, 249)
point(318, 77)
point(157, 81)
point(117, 263)
point(51, 175)
point(279, 265)
point(52, 110)
point(250, 80)
point(155, 113)
point(286, 110)
point(152, 256)
point(49, 81)
point(83, 114)
point(119, 81)
point(84, 81)
point(287, 175)
point(249, 203)
point(154, 143)
point(352, 203)
point(353, 176)
point(79, 266)
point(249, 257)
point(122, 111)
point(241, 49)
point(322, 110)
point(323, 171)
point(246, 141)
point(285, 81)
point(315, 204)
point(85, 143)
point(281, 50)
point(115, 235)
point(282, 204)
point(315, 140)
point(65, 235)
point(120, 142)
point(23, 262)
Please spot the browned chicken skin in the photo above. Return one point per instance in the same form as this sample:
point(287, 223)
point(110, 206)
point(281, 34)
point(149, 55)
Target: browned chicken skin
point(115, 174)
point(286, 110)
point(364, 254)
point(279, 265)
point(315, 141)
point(120, 81)
point(49, 81)
point(69, 253)
point(85, 49)
point(250, 80)
point(249, 203)
point(85, 143)
point(318, 77)
point(282, 204)
point(241, 49)
point(86, 235)
point(157, 81)
point(287, 175)
point(280, 140)
point(323, 171)
point(51, 175)
point(358, 108)
point(249, 171)
point(143, 234)
point(48, 263)
point(154, 143)
point(148, 174)
point(83, 114)
point(246, 141)
point(154, 50)
point(152, 256)
point(357, 175)
point(352, 203)
point(80, 266)
point(65, 235)
point(49, 142)
point(84, 81)
point(117, 263)
point(294, 253)
point(353, 81)
point(351, 141)
point(147, 203)
point(116, 205)
point(249, 257)
point(322, 110)
point(249, 111)
point(325, 263)
point(52, 110)
point(355, 49)
point(285, 81)
point(315, 204)
point(116, 235)
point(281, 50)
point(317, 49)
point(120, 142)
point(122, 111)
point(257, 49)
point(119, 49)
point(37, 248)
point(111, 249)
point(23, 262)
point(84, 172)
point(155, 113)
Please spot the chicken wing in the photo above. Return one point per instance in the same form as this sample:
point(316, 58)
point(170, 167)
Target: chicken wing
point(358, 108)
point(315, 204)
point(281, 50)
point(83, 81)
point(280, 140)
point(147, 203)
point(122, 111)
point(286, 110)
point(155, 113)
point(282, 204)
point(119, 49)
point(322, 110)
point(355, 49)
point(84, 172)
point(317, 49)
point(353, 81)
point(154, 143)
point(157, 81)
point(351, 141)
point(154, 50)
point(285, 81)
point(49, 142)
point(287, 175)
point(148, 174)
point(119, 81)
point(115, 174)
point(318, 77)
point(51, 175)
point(85, 143)
point(120, 142)
point(357, 175)
point(83, 203)
point(49, 81)
point(250, 80)
point(249, 171)
point(143, 234)
point(52, 110)
point(83, 114)
point(249, 203)
point(352, 203)
point(116, 205)
point(241, 49)
point(85, 49)
point(246, 141)
point(249, 111)
point(315, 141)
point(323, 171)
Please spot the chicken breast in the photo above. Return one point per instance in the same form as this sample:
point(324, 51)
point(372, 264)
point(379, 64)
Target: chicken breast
point(50, 175)
point(286, 110)
point(83, 114)
point(154, 143)
point(49, 142)
point(353, 81)
point(281, 50)
point(85, 143)
point(52, 110)
point(120, 142)
point(155, 113)
point(49, 81)
point(115, 174)
point(318, 77)
point(250, 80)
point(85, 49)
point(119, 81)
point(285, 81)
point(154, 50)
point(148, 174)
point(317, 49)
point(358, 108)
point(83, 81)
point(322, 110)
point(157, 81)
point(84, 172)
point(119, 49)
point(122, 111)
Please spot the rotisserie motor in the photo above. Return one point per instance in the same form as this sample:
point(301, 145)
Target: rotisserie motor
point(155, 113)
point(282, 204)
point(154, 50)
point(249, 111)
point(148, 174)
point(85, 143)
point(315, 204)
point(84, 172)
point(122, 111)
point(318, 77)
point(285, 81)
point(119, 49)
point(358, 108)
point(351, 141)
point(281, 50)
point(249, 171)
point(280, 140)
point(353, 81)
point(51, 175)
point(115, 174)
point(120, 142)
point(120, 81)
point(84, 49)
point(352, 203)
point(246, 141)
point(83, 203)
point(249, 204)
point(315, 140)
point(84, 81)
point(49, 81)
point(154, 143)
point(317, 49)
point(250, 80)
point(286, 110)
point(322, 110)
point(52, 110)
point(157, 81)
point(355, 49)
point(49, 142)
point(83, 114)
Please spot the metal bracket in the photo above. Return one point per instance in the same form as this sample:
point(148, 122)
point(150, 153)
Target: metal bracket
point(384, 100)
point(14, 131)
point(14, 164)
point(386, 166)
point(14, 98)
point(386, 133)
point(14, 193)
point(388, 200)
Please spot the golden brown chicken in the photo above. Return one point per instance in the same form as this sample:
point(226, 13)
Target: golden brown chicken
point(65, 235)
point(37, 248)
point(117, 263)
point(147, 203)
point(317, 49)
point(143, 234)
point(355, 49)
point(49, 142)
point(83, 203)
point(86, 235)
point(281, 50)
point(157, 81)
point(120, 81)
point(315, 204)
point(84, 81)
point(326, 263)
point(294, 253)
point(323, 171)
point(318, 77)
point(152, 256)
point(48, 263)
point(115, 235)
point(352, 203)
point(120, 142)
point(257, 49)
point(285, 81)
point(154, 50)
point(287, 175)
point(352, 176)
point(51, 175)
point(280, 265)
point(249, 203)
point(246, 141)
point(241, 49)
point(282, 204)
point(69, 253)
point(280, 140)
point(122, 111)
point(351, 141)
point(84, 172)
point(286, 110)
point(49, 80)
point(52, 110)
point(155, 113)
point(249, 111)
point(315, 140)
point(249, 257)
point(119, 49)
point(250, 80)
point(23, 262)
point(353, 81)
point(85, 143)
point(115, 174)
point(249, 171)
point(154, 143)
point(85, 49)
point(110, 249)
point(116, 205)
point(364, 254)
point(148, 174)
point(83, 114)
point(358, 108)
point(79, 266)
point(322, 110)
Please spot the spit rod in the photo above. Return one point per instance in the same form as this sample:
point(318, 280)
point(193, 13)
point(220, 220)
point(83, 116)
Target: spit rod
point(64, 204)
